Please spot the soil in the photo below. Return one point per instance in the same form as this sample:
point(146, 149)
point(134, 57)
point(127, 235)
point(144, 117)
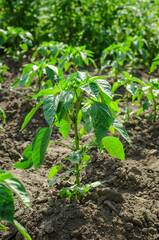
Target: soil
point(125, 207)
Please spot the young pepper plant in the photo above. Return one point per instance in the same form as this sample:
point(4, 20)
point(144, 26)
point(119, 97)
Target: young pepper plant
point(130, 86)
point(66, 56)
point(83, 99)
point(3, 68)
point(38, 71)
point(8, 184)
point(149, 89)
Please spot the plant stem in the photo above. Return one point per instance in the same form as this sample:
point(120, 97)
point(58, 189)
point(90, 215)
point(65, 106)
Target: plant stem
point(77, 148)
point(154, 106)
point(77, 137)
point(60, 143)
point(40, 80)
point(127, 105)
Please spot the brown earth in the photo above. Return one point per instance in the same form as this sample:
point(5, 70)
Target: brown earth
point(125, 207)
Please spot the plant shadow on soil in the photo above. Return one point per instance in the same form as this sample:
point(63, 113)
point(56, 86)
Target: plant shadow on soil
point(125, 207)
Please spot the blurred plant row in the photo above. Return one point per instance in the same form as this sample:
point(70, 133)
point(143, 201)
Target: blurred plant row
point(132, 25)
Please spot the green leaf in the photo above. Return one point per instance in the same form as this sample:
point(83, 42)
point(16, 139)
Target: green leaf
point(94, 89)
point(114, 105)
point(16, 82)
point(67, 65)
point(65, 127)
point(95, 184)
point(4, 175)
point(139, 111)
point(85, 188)
point(2, 227)
point(27, 68)
point(54, 170)
point(105, 87)
point(66, 98)
point(50, 106)
point(6, 204)
point(76, 156)
point(121, 56)
point(1, 80)
point(132, 88)
point(48, 84)
point(24, 79)
point(91, 89)
point(39, 146)
point(50, 74)
point(19, 189)
point(114, 147)
point(22, 230)
point(121, 129)
point(85, 158)
point(2, 115)
point(140, 82)
point(153, 66)
point(24, 46)
point(60, 176)
point(26, 161)
point(102, 120)
point(81, 76)
point(28, 81)
point(88, 124)
point(146, 104)
point(30, 115)
point(43, 92)
point(54, 180)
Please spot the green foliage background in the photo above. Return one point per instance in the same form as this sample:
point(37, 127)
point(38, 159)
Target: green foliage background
point(94, 23)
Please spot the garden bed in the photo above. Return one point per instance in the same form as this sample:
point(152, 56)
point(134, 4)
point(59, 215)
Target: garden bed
point(126, 206)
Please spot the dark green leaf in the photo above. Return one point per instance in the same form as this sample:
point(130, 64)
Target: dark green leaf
point(76, 156)
point(19, 189)
point(26, 161)
point(120, 56)
point(16, 82)
point(50, 74)
point(30, 115)
point(102, 120)
point(88, 124)
point(147, 103)
point(105, 87)
point(66, 98)
point(54, 180)
point(6, 204)
point(39, 146)
point(50, 106)
point(24, 79)
point(91, 89)
point(121, 129)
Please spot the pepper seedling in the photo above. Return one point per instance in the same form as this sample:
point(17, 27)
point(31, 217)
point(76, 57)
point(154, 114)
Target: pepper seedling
point(77, 100)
